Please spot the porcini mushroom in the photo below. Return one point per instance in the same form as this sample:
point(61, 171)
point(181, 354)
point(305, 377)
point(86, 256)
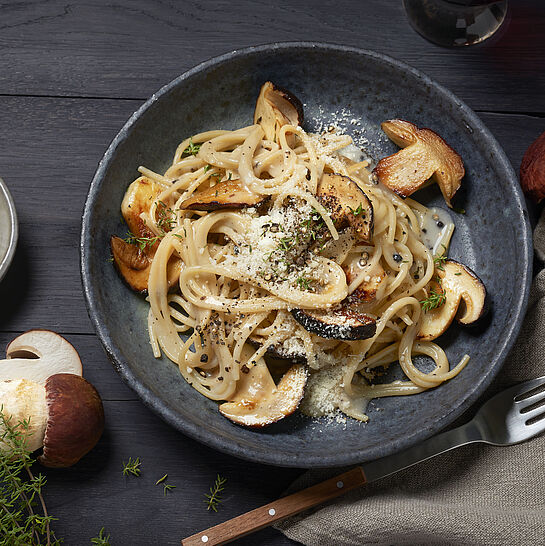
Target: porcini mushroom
point(276, 107)
point(278, 350)
point(341, 323)
point(139, 197)
point(132, 261)
point(367, 289)
point(347, 203)
point(259, 402)
point(227, 194)
point(63, 410)
point(465, 296)
point(425, 155)
point(134, 265)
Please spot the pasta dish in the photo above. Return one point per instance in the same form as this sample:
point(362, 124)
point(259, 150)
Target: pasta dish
point(280, 269)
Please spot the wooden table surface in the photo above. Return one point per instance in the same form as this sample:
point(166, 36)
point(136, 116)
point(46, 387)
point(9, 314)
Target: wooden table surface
point(70, 76)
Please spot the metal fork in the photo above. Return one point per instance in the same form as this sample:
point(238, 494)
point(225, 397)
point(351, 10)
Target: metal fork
point(512, 416)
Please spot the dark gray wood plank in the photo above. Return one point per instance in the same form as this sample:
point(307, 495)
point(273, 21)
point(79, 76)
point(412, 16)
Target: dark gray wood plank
point(135, 510)
point(48, 156)
point(130, 49)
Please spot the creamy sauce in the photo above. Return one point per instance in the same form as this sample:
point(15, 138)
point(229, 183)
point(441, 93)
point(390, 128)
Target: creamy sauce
point(436, 225)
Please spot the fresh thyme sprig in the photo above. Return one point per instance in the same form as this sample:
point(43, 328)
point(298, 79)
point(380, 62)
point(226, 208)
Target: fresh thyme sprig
point(143, 243)
point(192, 149)
point(20, 491)
point(101, 540)
point(167, 487)
point(213, 499)
point(434, 300)
point(132, 467)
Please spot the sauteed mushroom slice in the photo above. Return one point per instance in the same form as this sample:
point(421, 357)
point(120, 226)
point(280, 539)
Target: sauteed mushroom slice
point(134, 265)
point(341, 323)
point(425, 155)
point(366, 291)
point(139, 197)
point(278, 351)
point(258, 402)
point(131, 263)
point(228, 194)
point(276, 107)
point(347, 203)
point(465, 296)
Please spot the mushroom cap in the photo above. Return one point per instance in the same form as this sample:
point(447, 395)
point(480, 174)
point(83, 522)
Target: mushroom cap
point(37, 354)
point(75, 420)
point(532, 170)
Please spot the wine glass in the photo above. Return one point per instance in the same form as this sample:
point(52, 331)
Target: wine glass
point(454, 23)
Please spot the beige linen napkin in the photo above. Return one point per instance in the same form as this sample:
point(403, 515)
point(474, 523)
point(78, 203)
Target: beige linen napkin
point(478, 495)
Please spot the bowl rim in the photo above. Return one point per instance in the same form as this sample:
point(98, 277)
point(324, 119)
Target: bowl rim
point(14, 234)
point(191, 428)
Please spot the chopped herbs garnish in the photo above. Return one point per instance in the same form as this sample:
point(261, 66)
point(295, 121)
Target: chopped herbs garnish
point(207, 168)
point(213, 498)
point(143, 243)
point(459, 211)
point(167, 487)
point(101, 540)
point(167, 217)
point(286, 244)
point(21, 523)
point(132, 467)
point(439, 262)
point(161, 479)
point(457, 274)
point(360, 211)
point(192, 149)
point(434, 300)
point(304, 283)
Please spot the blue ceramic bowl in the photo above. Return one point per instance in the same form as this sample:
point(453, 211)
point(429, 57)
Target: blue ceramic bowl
point(357, 89)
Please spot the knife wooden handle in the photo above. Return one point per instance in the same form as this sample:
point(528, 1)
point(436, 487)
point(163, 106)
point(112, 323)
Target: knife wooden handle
point(275, 511)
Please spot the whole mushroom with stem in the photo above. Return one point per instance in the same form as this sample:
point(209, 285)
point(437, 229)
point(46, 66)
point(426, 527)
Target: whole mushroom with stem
point(40, 382)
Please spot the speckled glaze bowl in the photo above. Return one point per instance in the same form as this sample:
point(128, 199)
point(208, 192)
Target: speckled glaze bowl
point(9, 229)
point(356, 89)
